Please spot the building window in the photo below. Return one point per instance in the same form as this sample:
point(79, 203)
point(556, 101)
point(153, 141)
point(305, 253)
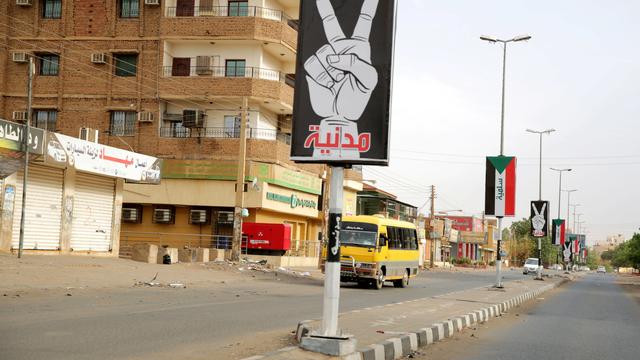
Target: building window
point(129, 8)
point(125, 64)
point(52, 9)
point(231, 126)
point(123, 123)
point(48, 64)
point(238, 8)
point(45, 119)
point(235, 68)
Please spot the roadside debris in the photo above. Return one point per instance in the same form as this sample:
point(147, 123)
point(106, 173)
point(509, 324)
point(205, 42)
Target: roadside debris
point(154, 283)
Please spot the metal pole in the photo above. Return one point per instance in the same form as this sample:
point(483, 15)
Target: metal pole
point(26, 156)
point(498, 256)
point(540, 172)
point(236, 245)
point(504, 69)
point(432, 224)
point(559, 194)
point(331, 297)
point(498, 245)
point(539, 271)
point(568, 206)
point(559, 205)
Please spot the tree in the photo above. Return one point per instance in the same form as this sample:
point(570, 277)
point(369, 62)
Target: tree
point(526, 246)
point(626, 254)
point(592, 260)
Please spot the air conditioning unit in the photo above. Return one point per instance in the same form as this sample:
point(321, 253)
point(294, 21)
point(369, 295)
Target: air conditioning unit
point(130, 215)
point(152, 2)
point(20, 57)
point(89, 134)
point(198, 216)
point(145, 116)
point(162, 216)
point(99, 58)
point(225, 217)
point(23, 2)
point(19, 116)
point(193, 118)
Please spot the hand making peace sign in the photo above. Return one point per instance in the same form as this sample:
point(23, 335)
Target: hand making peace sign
point(340, 75)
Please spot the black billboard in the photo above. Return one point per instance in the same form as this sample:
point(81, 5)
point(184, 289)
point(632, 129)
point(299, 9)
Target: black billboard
point(343, 81)
point(539, 218)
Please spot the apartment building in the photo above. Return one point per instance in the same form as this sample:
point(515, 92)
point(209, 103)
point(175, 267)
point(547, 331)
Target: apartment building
point(167, 78)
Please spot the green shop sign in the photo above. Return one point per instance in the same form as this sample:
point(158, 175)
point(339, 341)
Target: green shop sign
point(292, 200)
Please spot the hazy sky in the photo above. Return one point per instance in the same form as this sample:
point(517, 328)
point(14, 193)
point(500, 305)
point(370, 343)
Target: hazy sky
point(579, 74)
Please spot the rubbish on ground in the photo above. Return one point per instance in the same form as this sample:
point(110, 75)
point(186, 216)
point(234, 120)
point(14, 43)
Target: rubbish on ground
point(177, 285)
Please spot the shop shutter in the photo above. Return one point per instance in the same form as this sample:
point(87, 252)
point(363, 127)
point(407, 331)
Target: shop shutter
point(92, 213)
point(44, 209)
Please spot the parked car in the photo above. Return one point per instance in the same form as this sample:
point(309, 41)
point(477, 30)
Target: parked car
point(602, 269)
point(530, 266)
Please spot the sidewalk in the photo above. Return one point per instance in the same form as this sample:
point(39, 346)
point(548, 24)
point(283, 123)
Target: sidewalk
point(395, 330)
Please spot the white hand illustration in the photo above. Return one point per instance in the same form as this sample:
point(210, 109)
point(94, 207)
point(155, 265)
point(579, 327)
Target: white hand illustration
point(340, 75)
point(538, 220)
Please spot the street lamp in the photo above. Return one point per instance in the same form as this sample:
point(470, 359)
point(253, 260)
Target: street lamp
point(569, 203)
point(494, 40)
point(540, 133)
point(560, 171)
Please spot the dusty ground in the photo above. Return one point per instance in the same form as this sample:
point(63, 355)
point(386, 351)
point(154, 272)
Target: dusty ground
point(631, 284)
point(39, 274)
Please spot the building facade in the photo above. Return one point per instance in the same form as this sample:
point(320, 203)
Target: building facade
point(170, 79)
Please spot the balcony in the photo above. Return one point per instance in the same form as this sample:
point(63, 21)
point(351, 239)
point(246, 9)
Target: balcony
point(224, 133)
point(212, 81)
point(252, 22)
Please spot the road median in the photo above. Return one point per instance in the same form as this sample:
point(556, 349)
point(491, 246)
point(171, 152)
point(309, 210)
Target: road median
point(395, 330)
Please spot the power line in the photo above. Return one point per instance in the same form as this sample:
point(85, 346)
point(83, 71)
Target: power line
point(528, 158)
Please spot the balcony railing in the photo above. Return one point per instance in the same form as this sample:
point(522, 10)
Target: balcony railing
point(224, 133)
point(222, 71)
point(234, 11)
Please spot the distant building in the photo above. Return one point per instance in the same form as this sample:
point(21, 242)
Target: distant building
point(374, 201)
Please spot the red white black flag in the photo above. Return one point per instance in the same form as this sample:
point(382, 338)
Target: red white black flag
point(500, 186)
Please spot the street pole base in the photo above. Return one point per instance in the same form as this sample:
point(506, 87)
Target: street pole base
point(340, 345)
point(497, 288)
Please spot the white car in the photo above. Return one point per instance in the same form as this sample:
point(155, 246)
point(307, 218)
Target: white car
point(55, 150)
point(602, 269)
point(530, 266)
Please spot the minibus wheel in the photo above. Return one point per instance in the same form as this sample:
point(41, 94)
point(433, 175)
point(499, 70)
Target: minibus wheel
point(379, 280)
point(402, 283)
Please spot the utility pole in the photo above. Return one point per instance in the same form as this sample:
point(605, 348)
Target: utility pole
point(236, 245)
point(25, 142)
point(431, 226)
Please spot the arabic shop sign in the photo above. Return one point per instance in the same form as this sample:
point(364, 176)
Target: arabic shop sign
point(292, 200)
point(12, 137)
point(66, 151)
point(12, 146)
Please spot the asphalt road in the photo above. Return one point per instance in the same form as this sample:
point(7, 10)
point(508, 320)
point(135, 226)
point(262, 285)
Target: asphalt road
point(590, 319)
point(138, 322)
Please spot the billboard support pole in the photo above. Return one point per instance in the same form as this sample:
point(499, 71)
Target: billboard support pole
point(26, 135)
point(331, 299)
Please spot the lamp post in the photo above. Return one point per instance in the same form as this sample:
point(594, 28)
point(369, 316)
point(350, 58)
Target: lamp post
point(568, 204)
point(494, 40)
point(540, 133)
point(560, 171)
